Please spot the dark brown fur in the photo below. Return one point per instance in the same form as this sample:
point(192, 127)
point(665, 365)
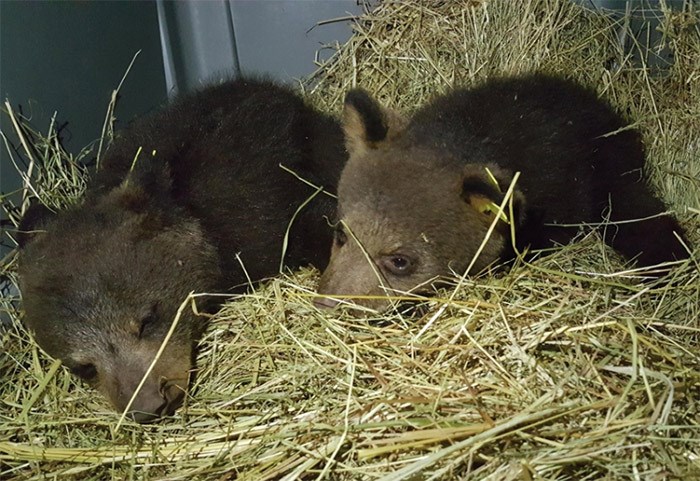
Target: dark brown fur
point(416, 199)
point(205, 207)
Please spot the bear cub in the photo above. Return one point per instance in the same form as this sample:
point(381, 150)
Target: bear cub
point(417, 197)
point(190, 198)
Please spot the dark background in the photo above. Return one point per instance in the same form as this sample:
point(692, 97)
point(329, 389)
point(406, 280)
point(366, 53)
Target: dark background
point(67, 57)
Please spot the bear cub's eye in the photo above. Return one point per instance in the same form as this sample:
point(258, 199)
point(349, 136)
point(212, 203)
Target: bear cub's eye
point(147, 324)
point(398, 264)
point(339, 236)
point(86, 371)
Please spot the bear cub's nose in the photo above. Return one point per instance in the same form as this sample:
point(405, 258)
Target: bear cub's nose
point(325, 302)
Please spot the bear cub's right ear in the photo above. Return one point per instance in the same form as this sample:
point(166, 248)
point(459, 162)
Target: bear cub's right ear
point(32, 223)
point(367, 124)
point(484, 188)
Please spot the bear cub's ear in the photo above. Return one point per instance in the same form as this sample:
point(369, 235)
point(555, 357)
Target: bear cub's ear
point(32, 223)
point(367, 124)
point(484, 188)
point(148, 184)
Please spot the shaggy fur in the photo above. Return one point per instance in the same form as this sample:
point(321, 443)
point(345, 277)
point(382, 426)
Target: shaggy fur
point(417, 199)
point(203, 207)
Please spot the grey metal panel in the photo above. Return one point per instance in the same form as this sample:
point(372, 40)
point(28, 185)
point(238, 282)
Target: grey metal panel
point(219, 38)
point(198, 42)
point(638, 33)
point(282, 36)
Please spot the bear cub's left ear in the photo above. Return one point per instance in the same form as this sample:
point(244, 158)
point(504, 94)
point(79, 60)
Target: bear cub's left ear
point(33, 223)
point(367, 124)
point(149, 184)
point(484, 188)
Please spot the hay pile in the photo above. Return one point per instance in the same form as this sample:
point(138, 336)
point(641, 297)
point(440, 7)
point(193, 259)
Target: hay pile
point(564, 369)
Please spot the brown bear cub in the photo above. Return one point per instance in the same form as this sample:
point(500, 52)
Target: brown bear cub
point(417, 198)
point(191, 198)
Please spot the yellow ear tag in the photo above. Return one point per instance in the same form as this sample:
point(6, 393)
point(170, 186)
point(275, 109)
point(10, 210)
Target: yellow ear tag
point(487, 206)
point(495, 209)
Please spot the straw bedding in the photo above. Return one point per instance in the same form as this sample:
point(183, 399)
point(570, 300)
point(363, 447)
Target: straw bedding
point(564, 368)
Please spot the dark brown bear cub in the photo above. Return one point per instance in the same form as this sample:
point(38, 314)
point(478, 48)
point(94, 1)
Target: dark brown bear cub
point(191, 198)
point(417, 198)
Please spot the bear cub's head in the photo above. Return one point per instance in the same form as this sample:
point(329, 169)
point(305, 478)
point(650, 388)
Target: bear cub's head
point(409, 212)
point(101, 283)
